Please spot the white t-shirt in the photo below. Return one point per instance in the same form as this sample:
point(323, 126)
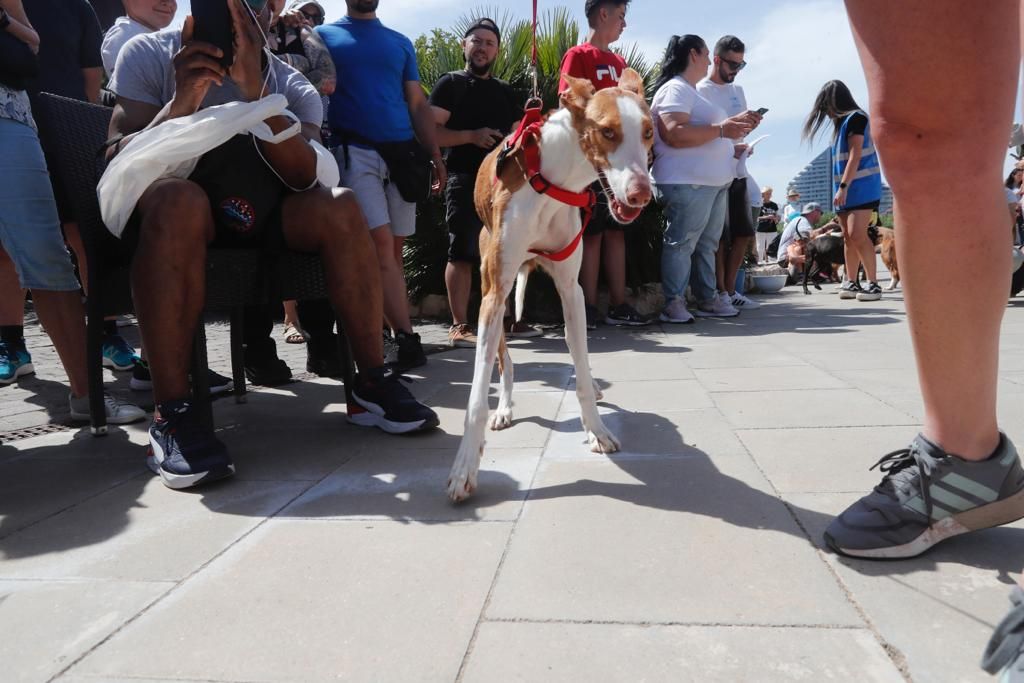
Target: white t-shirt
point(798, 227)
point(709, 164)
point(123, 30)
point(790, 210)
point(733, 100)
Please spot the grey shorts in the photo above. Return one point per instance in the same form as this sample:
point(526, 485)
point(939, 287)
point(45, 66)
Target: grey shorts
point(367, 176)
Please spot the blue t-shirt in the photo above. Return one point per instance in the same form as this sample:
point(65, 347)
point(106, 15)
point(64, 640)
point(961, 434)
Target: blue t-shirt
point(373, 63)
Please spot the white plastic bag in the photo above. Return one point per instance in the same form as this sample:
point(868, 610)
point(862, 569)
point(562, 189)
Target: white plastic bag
point(172, 149)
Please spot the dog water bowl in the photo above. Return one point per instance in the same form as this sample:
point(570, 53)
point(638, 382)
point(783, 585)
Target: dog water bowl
point(767, 284)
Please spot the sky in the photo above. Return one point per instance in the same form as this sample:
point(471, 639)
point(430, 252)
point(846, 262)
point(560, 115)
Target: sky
point(793, 48)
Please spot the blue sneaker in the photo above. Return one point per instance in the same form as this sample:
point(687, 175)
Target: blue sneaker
point(183, 451)
point(118, 353)
point(380, 400)
point(1005, 652)
point(14, 362)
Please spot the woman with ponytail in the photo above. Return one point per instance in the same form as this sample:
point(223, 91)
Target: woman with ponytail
point(693, 167)
point(856, 182)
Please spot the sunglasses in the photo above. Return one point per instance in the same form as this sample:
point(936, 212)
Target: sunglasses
point(735, 66)
point(314, 17)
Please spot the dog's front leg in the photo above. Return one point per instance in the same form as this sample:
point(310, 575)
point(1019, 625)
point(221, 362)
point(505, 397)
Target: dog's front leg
point(573, 309)
point(462, 480)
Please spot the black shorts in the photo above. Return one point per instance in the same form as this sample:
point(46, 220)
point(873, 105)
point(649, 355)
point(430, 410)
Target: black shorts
point(866, 206)
point(601, 219)
point(738, 221)
point(464, 224)
point(245, 198)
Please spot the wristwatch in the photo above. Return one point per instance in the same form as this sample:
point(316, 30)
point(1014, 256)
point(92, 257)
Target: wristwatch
point(5, 19)
point(842, 186)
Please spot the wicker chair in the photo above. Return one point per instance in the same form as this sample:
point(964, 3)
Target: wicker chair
point(75, 132)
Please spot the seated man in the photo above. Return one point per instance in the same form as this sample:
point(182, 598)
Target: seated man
point(240, 194)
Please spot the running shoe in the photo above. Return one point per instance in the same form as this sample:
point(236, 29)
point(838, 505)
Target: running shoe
point(184, 451)
point(15, 362)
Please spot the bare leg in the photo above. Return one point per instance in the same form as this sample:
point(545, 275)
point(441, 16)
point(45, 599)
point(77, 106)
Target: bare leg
point(169, 279)
point(614, 255)
point(855, 239)
point(12, 306)
point(723, 249)
point(63, 316)
point(851, 254)
point(291, 313)
point(392, 279)
point(458, 278)
point(330, 223)
point(590, 267)
point(733, 261)
point(930, 135)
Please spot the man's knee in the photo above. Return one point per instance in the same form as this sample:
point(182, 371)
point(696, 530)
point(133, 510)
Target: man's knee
point(176, 209)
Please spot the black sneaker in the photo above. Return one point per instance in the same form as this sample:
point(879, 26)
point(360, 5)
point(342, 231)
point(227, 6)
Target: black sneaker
point(849, 290)
point(183, 451)
point(269, 372)
point(592, 317)
point(381, 400)
point(410, 351)
point(322, 357)
point(142, 381)
point(870, 292)
point(625, 315)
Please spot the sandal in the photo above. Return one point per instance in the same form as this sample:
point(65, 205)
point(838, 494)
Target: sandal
point(294, 335)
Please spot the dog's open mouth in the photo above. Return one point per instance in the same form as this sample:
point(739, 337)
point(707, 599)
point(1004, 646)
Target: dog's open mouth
point(621, 212)
point(624, 213)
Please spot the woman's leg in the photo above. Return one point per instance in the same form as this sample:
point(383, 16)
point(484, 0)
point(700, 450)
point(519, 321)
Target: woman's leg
point(851, 254)
point(857, 224)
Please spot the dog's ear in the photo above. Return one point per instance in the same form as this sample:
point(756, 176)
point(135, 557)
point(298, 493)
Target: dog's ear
point(575, 97)
point(632, 81)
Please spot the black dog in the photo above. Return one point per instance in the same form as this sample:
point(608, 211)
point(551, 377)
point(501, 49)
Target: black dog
point(823, 254)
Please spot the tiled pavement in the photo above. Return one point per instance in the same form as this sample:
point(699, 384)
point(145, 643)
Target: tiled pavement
point(693, 555)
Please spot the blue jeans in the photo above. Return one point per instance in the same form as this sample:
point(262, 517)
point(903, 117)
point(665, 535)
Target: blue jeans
point(694, 217)
point(29, 227)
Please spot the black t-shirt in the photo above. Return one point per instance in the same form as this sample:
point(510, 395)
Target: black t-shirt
point(857, 125)
point(107, 11)
point(474, 103)
point(69, 41)
point(766, 222)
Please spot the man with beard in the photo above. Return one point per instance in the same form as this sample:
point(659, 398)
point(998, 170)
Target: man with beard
point(474, 111)
point(719, 88)
point(379, 104)
point(246, 193)
point(604, 237)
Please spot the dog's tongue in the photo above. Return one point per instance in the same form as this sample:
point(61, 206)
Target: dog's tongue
point(627, 213)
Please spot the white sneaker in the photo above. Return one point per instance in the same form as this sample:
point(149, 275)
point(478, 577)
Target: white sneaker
point(740, 302)
point(676, 312)
point(118, 413)
point(716, 308)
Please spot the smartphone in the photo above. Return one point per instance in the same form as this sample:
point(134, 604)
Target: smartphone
point(762, 111)
point(213, 24)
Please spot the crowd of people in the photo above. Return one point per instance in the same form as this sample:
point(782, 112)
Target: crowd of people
point(355, 83)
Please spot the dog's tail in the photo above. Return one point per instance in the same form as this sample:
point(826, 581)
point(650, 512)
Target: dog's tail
point(521, 277)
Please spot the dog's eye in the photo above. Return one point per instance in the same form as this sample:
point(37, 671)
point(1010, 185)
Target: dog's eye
point(608, 133)
point(648, 134)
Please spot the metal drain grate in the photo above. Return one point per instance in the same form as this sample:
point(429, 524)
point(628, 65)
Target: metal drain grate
point(29, 432)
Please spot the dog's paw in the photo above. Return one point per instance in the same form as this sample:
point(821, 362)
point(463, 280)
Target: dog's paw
point(501, 419)
point(598, 394)
point(461, 487)
point(603, 441)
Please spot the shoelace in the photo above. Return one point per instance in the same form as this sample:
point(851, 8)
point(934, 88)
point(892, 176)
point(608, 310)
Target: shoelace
point(1007, 642)
point(900, 461)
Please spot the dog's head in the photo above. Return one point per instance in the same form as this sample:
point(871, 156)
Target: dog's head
point(616, 134)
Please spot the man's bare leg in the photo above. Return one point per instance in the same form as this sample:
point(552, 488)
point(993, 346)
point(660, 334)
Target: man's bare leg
point(392, 279)
point(590, 267)
point(329, 222)
point(169, 279)
point(458, 279)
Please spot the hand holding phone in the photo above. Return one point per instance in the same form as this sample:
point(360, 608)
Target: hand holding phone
point(197, 66)
point(213, 24)
point(762, 111)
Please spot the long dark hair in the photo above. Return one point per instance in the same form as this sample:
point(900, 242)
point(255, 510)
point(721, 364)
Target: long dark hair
point(1011, 182)
point(834, 102)
point(677, 57)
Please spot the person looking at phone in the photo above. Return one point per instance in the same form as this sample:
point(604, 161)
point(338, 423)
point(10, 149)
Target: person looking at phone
point(473, 111)
point(720, 89)
point(379, 105)
point(245, 193)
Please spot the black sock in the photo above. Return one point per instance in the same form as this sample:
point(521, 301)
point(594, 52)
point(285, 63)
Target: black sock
point(12, 334)
point(109, 327)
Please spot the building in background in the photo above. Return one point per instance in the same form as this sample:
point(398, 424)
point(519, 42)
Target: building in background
point(815, 183)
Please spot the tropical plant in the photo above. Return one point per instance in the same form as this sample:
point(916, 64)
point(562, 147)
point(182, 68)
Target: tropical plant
point(440, 51)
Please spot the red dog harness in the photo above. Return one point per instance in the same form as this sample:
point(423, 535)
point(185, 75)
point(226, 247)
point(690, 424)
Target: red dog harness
point(527, 137)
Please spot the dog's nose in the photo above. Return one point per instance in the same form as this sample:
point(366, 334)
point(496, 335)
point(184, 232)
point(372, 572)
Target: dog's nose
point(638, 194)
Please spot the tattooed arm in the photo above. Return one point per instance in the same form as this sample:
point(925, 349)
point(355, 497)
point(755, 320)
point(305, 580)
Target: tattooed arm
point(321, 71)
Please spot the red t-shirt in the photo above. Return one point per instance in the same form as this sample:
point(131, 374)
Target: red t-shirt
point(599, 67)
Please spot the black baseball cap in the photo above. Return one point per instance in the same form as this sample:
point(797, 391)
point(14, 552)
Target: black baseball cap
point(484, 23)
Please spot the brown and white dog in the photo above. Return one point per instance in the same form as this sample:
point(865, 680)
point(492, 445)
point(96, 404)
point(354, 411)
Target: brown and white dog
point(888, 252)
point(604, 136)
